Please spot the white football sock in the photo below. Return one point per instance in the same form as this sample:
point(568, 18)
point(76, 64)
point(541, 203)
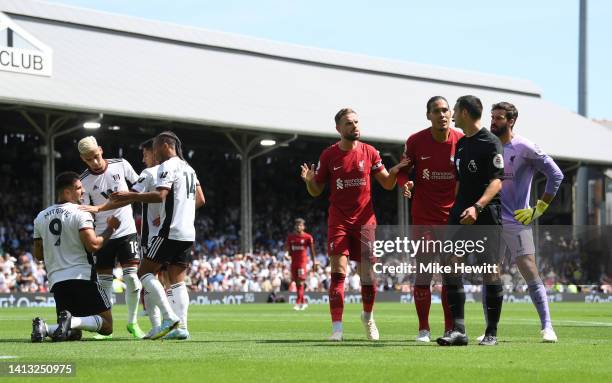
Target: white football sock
point(336, 326)
point(91, 323)
point(158, 296)
point(152, 310)
point(180, 302)
point(132, 293)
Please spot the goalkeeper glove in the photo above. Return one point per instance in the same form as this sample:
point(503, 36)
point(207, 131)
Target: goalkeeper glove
point(526, 216)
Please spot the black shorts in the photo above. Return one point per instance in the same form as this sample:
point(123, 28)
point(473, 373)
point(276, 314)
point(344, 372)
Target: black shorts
point(169, 251)
point(81, 297)
point(123, 249)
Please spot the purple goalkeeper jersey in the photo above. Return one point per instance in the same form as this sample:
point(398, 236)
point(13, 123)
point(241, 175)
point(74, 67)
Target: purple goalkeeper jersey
point(521, 159)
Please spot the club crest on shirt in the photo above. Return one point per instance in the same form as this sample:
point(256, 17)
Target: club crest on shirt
point(361, 166)
point(472, 166)
point(116, 177)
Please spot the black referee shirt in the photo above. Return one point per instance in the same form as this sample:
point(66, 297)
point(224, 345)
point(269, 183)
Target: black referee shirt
point(478, 160)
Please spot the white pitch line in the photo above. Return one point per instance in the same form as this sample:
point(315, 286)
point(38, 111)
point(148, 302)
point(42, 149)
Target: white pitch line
point(8, 357)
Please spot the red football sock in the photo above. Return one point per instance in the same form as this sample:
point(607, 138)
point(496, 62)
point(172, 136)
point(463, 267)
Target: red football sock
point(422, 301)
point(448, 317)
point(300, 294)
point(336, 296)
point(368, 295)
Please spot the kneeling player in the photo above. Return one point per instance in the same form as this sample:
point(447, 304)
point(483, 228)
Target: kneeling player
point(64, 239)
point(296, 246)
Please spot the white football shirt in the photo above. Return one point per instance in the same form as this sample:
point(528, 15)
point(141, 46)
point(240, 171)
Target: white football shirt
point(177, 212)
point(98, 188)
point(151, 222)
point(65, 256)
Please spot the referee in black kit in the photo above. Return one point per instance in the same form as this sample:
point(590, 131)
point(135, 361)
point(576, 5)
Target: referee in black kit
point(479, 164)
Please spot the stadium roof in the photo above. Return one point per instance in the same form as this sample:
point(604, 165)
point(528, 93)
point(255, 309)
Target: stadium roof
point(128, 66)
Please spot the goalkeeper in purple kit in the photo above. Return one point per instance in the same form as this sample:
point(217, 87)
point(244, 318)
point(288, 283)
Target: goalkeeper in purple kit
point(522, 159)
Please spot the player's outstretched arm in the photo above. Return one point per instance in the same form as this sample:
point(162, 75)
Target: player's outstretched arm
point(151, 197)
point(109, 205)
point(387, 179)
point(94, 243)
point(308, 176)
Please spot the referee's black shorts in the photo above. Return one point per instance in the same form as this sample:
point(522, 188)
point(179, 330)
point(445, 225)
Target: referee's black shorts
point(81, 297)
point(169, 251)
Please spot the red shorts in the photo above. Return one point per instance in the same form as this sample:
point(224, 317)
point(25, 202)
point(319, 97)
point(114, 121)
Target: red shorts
point(298, 272)
point(354, 243)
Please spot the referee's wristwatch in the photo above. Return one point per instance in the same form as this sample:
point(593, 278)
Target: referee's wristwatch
point(479, 208)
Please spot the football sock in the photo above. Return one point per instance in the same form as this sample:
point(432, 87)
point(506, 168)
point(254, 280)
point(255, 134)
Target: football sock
point(132, 293)
point(157, 295)
point(448, 317)
point(494, 300)
point(537, 291)
point(180, 302)
point(422, 301)
point(456, 303)
point(152, 310)
point(336, 296)
point(91, 323)
point(300, 294)
point(368, 296)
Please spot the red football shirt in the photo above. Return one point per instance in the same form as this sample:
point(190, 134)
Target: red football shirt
point(298, 245)
point(347, 173)
point(435, 177)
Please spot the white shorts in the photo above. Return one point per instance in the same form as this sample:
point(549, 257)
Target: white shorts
point(518, 239)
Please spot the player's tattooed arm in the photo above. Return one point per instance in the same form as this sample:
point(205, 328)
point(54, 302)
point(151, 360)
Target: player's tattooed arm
point(308, 176)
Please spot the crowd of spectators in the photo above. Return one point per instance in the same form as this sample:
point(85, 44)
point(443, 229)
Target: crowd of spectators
point(219, 265)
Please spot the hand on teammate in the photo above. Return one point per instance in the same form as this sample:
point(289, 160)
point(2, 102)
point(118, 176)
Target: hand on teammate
point(113, 222)
point(408, 189)
point(469, 216)
point(120, 196)
point(89, 208)
point(405, 162)
point(308, 173)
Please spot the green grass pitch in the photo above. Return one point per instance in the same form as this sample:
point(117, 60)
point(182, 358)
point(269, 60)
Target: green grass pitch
point(259, 342)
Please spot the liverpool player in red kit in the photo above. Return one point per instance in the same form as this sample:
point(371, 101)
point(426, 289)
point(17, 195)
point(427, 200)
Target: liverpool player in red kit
point(296, 247)
point(431, 152)
point(346, 167)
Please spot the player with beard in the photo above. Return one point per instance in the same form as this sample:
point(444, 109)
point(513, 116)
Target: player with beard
point(431, 152)
point(522, 158)
point(346, 167)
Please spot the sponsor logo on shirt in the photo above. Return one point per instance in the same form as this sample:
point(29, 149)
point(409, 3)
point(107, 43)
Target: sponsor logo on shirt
point(354, 182)
point(163, 175)
point(437, 176)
